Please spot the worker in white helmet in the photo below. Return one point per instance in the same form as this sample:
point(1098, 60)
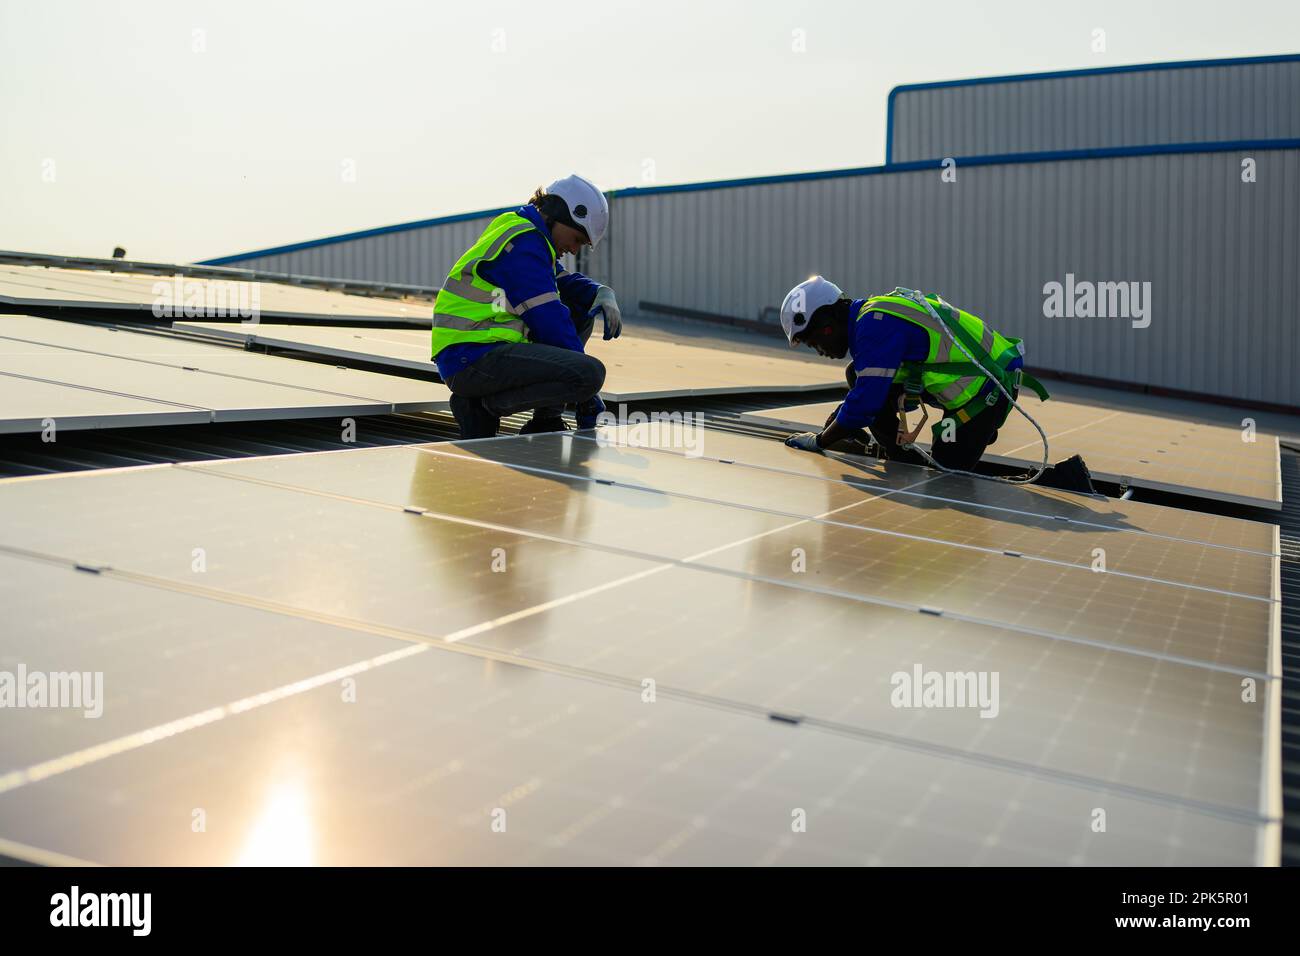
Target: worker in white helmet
point(903, 356)
point(510, 323)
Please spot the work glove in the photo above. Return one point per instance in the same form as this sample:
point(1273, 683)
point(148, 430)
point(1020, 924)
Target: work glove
point(607, 306)
point(589, 411)
point(804, 441)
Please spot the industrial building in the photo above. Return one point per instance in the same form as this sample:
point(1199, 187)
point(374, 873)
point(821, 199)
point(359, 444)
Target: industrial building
point(1198, 212)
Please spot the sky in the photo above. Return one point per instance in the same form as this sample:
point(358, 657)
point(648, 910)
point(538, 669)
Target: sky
point(183, 130)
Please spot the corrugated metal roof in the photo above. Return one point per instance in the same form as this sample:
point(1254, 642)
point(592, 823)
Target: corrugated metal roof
point(1195, 101)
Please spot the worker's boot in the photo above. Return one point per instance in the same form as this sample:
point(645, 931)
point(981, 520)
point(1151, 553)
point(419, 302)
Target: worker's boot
point(1069, 475)
point(538, 426)
point(588, 413)
point(473, 418)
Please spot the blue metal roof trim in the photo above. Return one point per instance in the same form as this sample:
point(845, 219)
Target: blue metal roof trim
point(1064, 74)
point(632, 191)
point(348, 236)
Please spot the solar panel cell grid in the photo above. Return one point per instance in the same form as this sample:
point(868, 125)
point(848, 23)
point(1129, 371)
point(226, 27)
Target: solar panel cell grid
point(1152, 451)
point(579, 772)
point(566, 575)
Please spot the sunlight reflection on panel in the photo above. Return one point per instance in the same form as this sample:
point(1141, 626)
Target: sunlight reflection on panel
point(282, 834)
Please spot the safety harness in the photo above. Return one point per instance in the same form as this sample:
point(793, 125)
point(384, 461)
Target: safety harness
point(978, 363)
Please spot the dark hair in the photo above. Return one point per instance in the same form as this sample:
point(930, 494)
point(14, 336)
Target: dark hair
point(551, 207)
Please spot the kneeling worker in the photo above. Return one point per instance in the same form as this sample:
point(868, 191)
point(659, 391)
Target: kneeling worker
point(510, 323)
point(902, 358)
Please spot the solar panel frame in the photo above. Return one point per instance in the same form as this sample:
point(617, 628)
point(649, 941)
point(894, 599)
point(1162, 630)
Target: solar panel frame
point(73, 407)
point(399, 393)
point(95, 389)
point(624, 359)
point(27, 286)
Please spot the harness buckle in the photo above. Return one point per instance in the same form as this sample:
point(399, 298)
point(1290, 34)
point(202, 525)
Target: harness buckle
point(906, 438)
point(912, 389)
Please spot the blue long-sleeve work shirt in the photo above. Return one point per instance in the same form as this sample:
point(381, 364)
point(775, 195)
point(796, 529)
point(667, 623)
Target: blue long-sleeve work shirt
point(522, 273)
point(879, 343)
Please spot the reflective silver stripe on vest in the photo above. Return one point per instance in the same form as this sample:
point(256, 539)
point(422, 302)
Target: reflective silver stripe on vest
point(877, 372)
point(458, 323)
point(952, 391)
point(986, 333)
point(534, 302)
point(505, 237)
point(497, 244)
point(468, 290)
point(948, 350)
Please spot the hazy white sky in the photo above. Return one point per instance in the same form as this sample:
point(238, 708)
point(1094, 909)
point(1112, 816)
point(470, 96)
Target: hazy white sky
point(187, 130)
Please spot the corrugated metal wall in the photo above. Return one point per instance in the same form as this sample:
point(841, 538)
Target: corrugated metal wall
point(1222, 256)
point(1185, 105)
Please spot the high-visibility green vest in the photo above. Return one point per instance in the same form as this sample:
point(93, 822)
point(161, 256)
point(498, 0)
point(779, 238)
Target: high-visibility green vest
point(946, 373)
point(467, 308)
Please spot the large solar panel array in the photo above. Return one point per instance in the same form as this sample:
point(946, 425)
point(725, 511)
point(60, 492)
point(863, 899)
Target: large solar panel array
point(81, 376)
point(47, 287)
point(571, 649)
point(637, 368)
point(1159, 452)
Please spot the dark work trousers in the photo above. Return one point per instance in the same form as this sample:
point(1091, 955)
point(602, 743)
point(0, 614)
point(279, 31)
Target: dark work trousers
point(969, 439)
point(519, 375)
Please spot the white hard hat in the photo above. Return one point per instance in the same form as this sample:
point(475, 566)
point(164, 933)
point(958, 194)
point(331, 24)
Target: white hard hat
point(802, 301)
point(587, 205)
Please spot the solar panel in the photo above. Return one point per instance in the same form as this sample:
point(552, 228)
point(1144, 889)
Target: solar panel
point(227, 385)
point(402, 393)
point(522, 687)
point(959, 511)
point(32, 286)
point(1064, 601)
point(31, 405)
point(354, 344)
point(637, 369)
point(1146, 451)
point(1197, 526)
point(584, 770)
